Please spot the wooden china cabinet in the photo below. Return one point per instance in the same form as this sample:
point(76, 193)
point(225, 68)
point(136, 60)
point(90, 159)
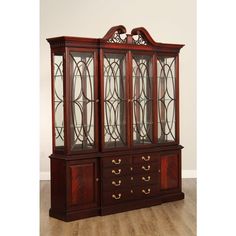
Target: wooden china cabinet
point(115, 110)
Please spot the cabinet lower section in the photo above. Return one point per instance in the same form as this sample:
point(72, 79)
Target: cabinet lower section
point(115, 182)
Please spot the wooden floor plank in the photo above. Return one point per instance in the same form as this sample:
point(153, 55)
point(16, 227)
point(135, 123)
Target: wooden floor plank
point(170, 219)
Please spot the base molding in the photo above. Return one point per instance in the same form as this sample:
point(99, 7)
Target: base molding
point(133, 205)
point(74, 215)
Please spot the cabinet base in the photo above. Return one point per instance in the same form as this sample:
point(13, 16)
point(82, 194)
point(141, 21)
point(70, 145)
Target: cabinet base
point(141, 203)
point(76, 215)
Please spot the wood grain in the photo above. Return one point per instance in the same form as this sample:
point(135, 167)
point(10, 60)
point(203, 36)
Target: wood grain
point(170, 219)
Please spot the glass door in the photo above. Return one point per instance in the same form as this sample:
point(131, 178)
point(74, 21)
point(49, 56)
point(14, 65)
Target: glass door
point(166, 83)
point(114, 100)
point(142, 99)
point(58, 102)
point(82, 100)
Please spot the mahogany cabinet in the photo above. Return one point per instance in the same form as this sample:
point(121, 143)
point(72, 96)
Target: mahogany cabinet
point(115, 123)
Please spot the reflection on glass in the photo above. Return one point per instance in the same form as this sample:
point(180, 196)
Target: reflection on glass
point(142, 100)
point(82, 100)
point(58, 101)
point(114, 100)
point(166, 99)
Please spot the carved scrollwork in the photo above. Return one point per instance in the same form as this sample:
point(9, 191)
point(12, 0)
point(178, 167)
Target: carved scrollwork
point(139, 40)
point(138, 36)
point(116, 38)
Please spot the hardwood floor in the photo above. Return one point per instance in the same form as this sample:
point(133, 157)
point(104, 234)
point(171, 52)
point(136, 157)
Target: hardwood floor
point(169, 219)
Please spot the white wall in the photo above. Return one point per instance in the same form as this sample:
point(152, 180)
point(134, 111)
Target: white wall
point(167, 21)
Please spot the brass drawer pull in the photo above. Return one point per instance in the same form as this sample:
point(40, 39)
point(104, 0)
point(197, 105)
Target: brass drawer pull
point(146, 179)
point(116, 184)
point(116, 197)
point(116, 163)
point(146, 169)
point(146, 192)
point(146, 159)
point(116, 173)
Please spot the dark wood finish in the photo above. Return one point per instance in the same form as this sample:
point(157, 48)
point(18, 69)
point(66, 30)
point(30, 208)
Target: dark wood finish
point(117, 183)
point(58, 186)
point(169, 171)
point(116, 171)
point(103, 180)
point(145, 158)
point(82, 184)
point(116, 161)
point(145, 179)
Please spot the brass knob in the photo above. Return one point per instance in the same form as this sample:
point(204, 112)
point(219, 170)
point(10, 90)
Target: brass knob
point(146, 169)
point(146, 179)
point(131, 168)
point(159, 171)
point(146, 192)
point(116, 173)
point(132, 178)
point(131, 191)
point(97, 100)
point(146, 159)
point(116, 162)
point(97, 179)
point(116, 197)
point(116, 184)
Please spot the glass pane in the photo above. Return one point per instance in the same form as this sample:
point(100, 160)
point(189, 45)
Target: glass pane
point(58, 101)
point(114, 100)
point(82, 100)
point(142, 99)
point(166, 99)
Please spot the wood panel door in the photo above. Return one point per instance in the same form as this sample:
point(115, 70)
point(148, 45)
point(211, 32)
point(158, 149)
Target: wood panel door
point(170, 171)
point(83, 185)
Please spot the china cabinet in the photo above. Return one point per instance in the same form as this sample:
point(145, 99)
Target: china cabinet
point(115, 124)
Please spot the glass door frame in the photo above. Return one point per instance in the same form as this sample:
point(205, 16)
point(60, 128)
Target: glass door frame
point(68, 110)
point(176, 56)
point(152, 54)
point(127, 97)
point(57, 52)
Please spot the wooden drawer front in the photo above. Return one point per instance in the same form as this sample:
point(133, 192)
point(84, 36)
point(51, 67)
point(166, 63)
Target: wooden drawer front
point(114, 184)
point(146, 168)
point(116, 161)
point(145, 158)
point(145, 191)
point(116, 172)
point(145, 179)
point(116, 197)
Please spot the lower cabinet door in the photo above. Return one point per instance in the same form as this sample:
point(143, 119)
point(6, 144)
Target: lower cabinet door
point(170, 171)
point(83, 185)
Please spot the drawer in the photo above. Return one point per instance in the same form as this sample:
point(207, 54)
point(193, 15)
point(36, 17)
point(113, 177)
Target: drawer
point(116, 197)
point(152, 167)
point(145, 191)
point(116, 161)
point(116, 172)
point(145, 179)
point(113, 184)
point(145, 158)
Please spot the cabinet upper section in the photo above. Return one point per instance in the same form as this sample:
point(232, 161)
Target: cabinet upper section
point(116, 38)
point(119, 92)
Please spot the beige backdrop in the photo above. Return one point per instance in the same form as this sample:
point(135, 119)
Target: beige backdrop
point(172, 21)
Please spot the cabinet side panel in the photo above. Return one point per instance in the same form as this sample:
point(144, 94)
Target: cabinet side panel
point(58, 185)
point(82, 184)
point(169, 172)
